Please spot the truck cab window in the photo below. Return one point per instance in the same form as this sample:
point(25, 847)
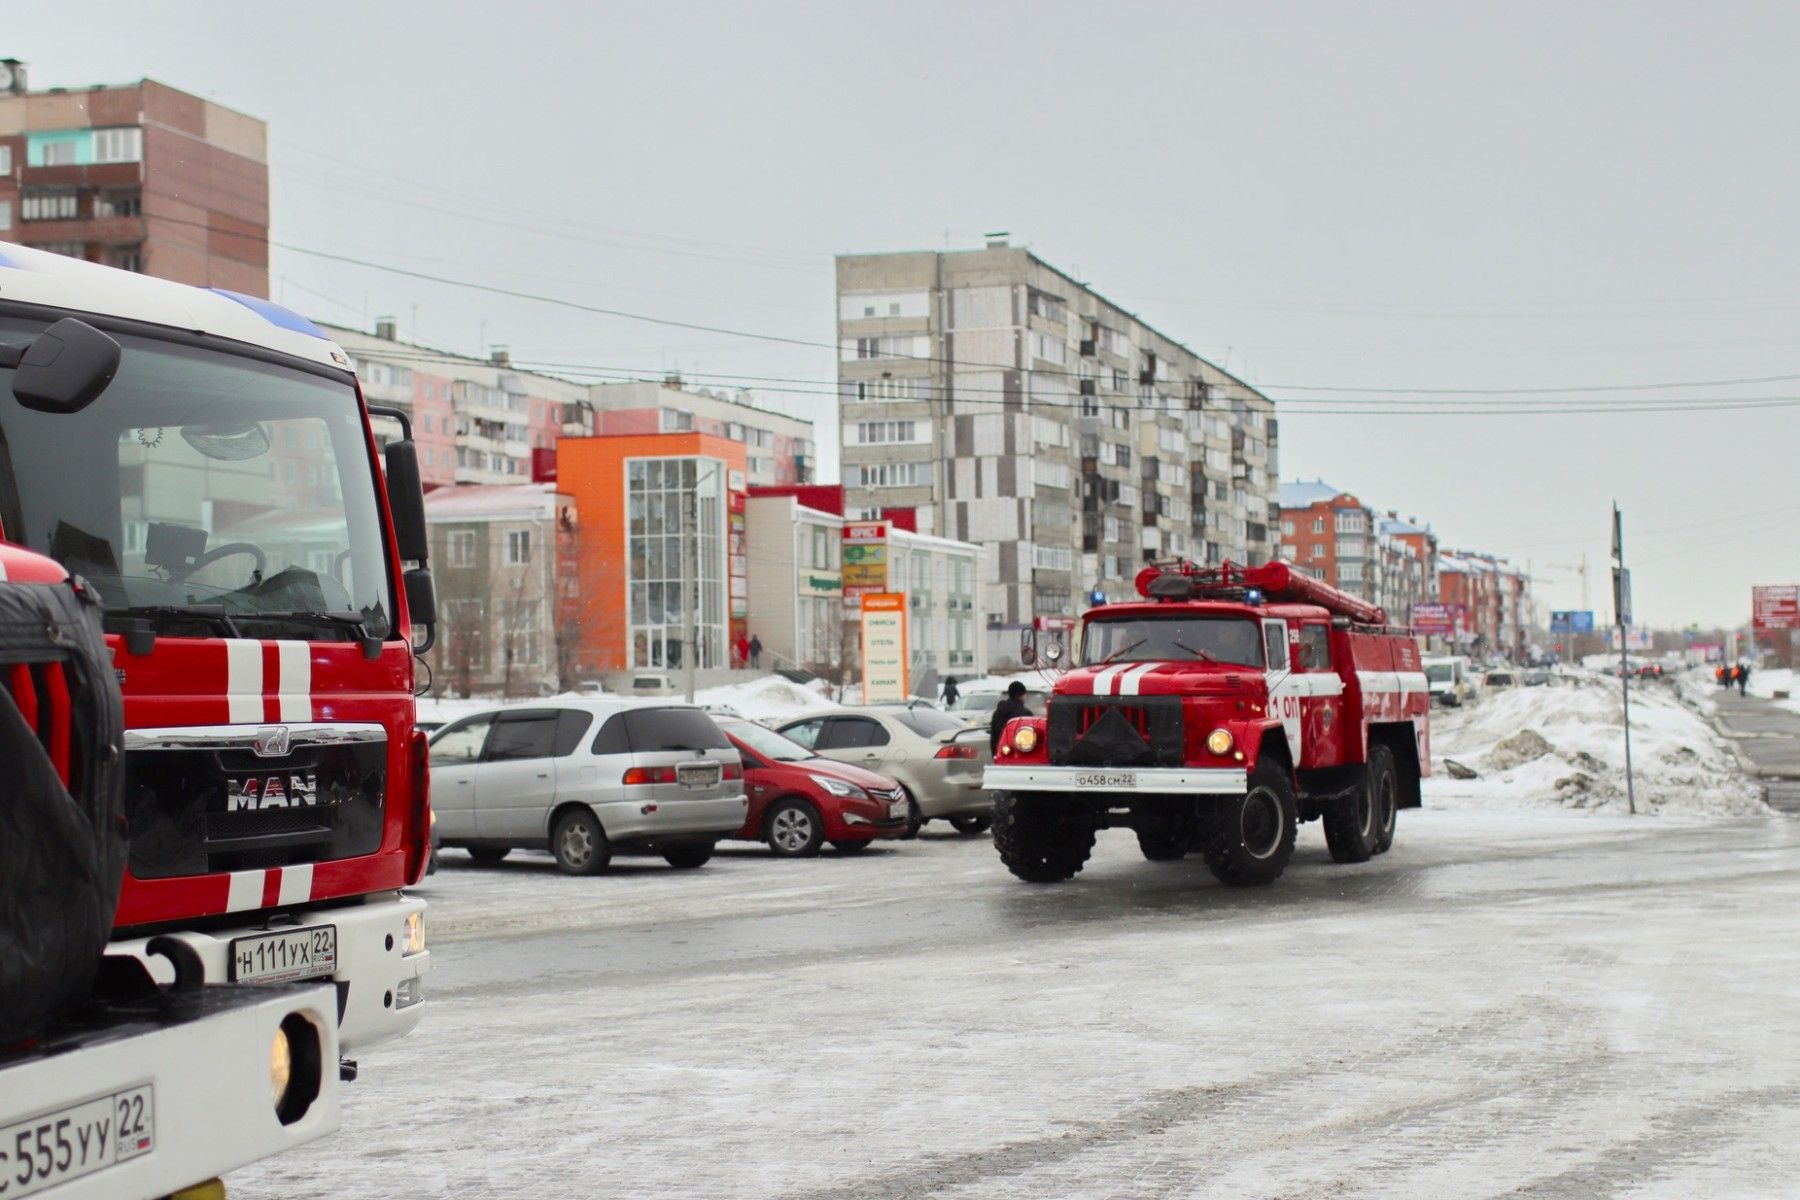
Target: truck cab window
point(1315, 647)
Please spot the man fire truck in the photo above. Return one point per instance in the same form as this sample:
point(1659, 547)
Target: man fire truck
point(1228, 705)
point(203, 462)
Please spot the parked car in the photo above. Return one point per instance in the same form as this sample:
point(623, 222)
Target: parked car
point(975, 707)
point(800, 800)
point(586, 777)
point(1500, 679)
point(1537, 678)
point(937, 759)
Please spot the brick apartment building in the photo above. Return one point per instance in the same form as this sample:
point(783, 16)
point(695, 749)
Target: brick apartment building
point(140, 176)
point(1016, 408)
point(1341, 540)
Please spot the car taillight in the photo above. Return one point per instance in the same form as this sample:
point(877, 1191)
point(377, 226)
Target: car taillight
point(734, 770)
point(637, 775)
point(957, 750)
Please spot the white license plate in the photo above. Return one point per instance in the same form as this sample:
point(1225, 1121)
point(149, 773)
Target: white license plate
point(697, 776)
point(1106, 779)
point(279, 957)
point(51, 1150)
point(896, 808)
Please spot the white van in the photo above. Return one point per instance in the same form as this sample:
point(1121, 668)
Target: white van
point(1448, 679)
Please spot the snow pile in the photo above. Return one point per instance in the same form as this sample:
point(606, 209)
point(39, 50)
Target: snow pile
point(771, 698)
point(1563, 747)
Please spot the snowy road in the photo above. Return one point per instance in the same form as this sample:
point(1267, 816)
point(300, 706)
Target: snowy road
point(1507, 1004)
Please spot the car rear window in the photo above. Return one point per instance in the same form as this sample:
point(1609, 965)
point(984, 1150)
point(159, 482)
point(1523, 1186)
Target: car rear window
point(926, 723)
point(657, 730)
point(571, 726)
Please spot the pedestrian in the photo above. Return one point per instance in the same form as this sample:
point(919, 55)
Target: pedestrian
point(951, 695)
point(741, 650)
point(1723, 674)
point(1743, 679)
point(755, 653)
point(1008, 709)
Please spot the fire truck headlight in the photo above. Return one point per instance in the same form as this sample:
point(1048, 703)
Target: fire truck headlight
point(1025, 739)
point(1219, 741)
point(281, 1067)
point(415, 933)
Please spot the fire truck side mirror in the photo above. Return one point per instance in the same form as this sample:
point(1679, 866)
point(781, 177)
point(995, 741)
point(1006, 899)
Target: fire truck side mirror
point(406, 500)
point(64, 369)
point(1027, 647)
point(421, 606)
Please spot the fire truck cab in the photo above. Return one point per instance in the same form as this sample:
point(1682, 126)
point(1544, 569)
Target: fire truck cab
point(204, 463)
point(1228, 705)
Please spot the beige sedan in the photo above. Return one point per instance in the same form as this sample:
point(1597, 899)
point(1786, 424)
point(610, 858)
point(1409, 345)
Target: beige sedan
point(937, 758)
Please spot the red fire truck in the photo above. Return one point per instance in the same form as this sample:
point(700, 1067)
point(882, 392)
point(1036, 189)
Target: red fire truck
point(1212, 716)
point(204, 463)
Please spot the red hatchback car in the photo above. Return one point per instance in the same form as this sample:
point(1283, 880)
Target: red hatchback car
point(799, 801)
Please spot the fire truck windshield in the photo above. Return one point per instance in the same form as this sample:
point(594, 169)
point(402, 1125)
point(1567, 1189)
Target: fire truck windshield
point(203, 488)
point(1173, 638)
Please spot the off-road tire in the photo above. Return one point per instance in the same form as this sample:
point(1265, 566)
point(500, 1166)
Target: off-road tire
point(971, 824)
point(1041, 839)
point(1387, 801)
point(1161, 846)
point(1251, 838)
point(1351, 830)
point(487, 856)
point(689, 857)
point(793, 829)
point(575, 829)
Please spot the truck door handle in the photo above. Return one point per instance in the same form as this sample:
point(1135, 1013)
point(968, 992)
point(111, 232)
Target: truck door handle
point(543, 774)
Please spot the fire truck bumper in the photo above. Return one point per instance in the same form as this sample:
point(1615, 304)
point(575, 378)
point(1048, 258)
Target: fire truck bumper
point(1103, 781)
point(379, 973)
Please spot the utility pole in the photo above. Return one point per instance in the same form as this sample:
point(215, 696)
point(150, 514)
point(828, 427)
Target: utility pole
point(1622, 616)
point(690, 571)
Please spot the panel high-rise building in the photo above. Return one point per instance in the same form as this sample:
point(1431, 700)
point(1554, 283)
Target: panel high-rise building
point(1016, 408)
point(139, 176)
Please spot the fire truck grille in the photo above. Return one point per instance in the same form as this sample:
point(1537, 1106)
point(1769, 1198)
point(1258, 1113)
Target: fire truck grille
point(1116, 731)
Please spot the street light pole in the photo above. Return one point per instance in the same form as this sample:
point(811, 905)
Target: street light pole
point(690, 568)
point(1622, 616)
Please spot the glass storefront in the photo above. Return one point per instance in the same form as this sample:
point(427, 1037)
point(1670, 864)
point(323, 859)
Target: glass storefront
point(676, 513)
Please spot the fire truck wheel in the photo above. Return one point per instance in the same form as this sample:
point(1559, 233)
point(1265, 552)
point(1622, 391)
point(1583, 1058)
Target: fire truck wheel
point(1161, 846)
point(1352, 831)
point(1041, 839)
point(579, 843)
point(1387, 797)
point(488, 855)
point(1252, 837)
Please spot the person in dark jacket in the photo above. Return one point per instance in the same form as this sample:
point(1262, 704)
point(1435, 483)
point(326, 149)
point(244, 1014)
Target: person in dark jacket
point(1009, 708)
point(1743, 679)
point(951, 695)
point(755, 653)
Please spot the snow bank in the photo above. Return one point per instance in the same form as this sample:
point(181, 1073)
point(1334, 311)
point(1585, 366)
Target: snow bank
point(1680, 766)
point(771, 698)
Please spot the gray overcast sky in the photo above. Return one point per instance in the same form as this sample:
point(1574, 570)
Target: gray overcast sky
point(1396, 195)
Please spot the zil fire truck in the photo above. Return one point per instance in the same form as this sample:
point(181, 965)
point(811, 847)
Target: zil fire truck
point(1228, 705)
point(203, 465)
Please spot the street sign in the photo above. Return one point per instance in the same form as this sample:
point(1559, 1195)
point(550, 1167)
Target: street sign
point(1622, 595)
point(1572, 621)
point(1773, 608)
point(884, 647)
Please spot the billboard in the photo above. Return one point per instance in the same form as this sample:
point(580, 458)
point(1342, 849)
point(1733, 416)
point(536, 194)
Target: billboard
point(883, 647)
point(1439, 620)
point(1773, 608)
point(865, 558)
point(1635, 639)
point(1572, 621)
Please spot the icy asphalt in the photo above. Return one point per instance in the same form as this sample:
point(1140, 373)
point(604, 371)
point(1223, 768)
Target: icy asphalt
point(1508, 1004)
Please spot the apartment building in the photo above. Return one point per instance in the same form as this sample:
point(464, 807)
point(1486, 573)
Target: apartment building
point(778, 449)
point(501, 560)
point(1492, 600)
point(1348, 544)
point(1016, 408)
point(140, 176)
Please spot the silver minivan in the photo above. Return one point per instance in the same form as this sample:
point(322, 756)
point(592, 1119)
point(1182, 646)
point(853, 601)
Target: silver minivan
point(585, 777)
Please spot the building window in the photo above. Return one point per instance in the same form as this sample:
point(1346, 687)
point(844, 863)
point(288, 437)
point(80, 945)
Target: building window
point(675, 519)
point(1318, 551)
point(887, 389)
point(5, 160)
point(1318, 524)
point(49, 206)
point(5, 214)
point(462, 547)
point(1122, 455)
point(1351, 521)
point(518, 547)
point(60, 154)
point(874, 433)
point(1287, 528)
point(893, 474)
point(125, 145)
point(126, 258)
point(119, 204)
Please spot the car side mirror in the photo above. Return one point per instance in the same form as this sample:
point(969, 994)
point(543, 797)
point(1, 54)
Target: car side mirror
point(64, 369)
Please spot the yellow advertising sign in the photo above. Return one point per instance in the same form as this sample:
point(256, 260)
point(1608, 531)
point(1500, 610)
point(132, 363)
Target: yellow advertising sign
point(865, 558)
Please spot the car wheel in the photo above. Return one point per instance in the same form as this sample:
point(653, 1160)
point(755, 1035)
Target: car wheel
point(851, 848)
point(794, 829)
point(579, 843)
point(915, 817)
point(689, 857)
point(970, 824)
point(487, 856)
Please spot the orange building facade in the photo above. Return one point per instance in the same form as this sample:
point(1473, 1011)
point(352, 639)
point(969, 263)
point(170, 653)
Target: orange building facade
point(661, 518)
